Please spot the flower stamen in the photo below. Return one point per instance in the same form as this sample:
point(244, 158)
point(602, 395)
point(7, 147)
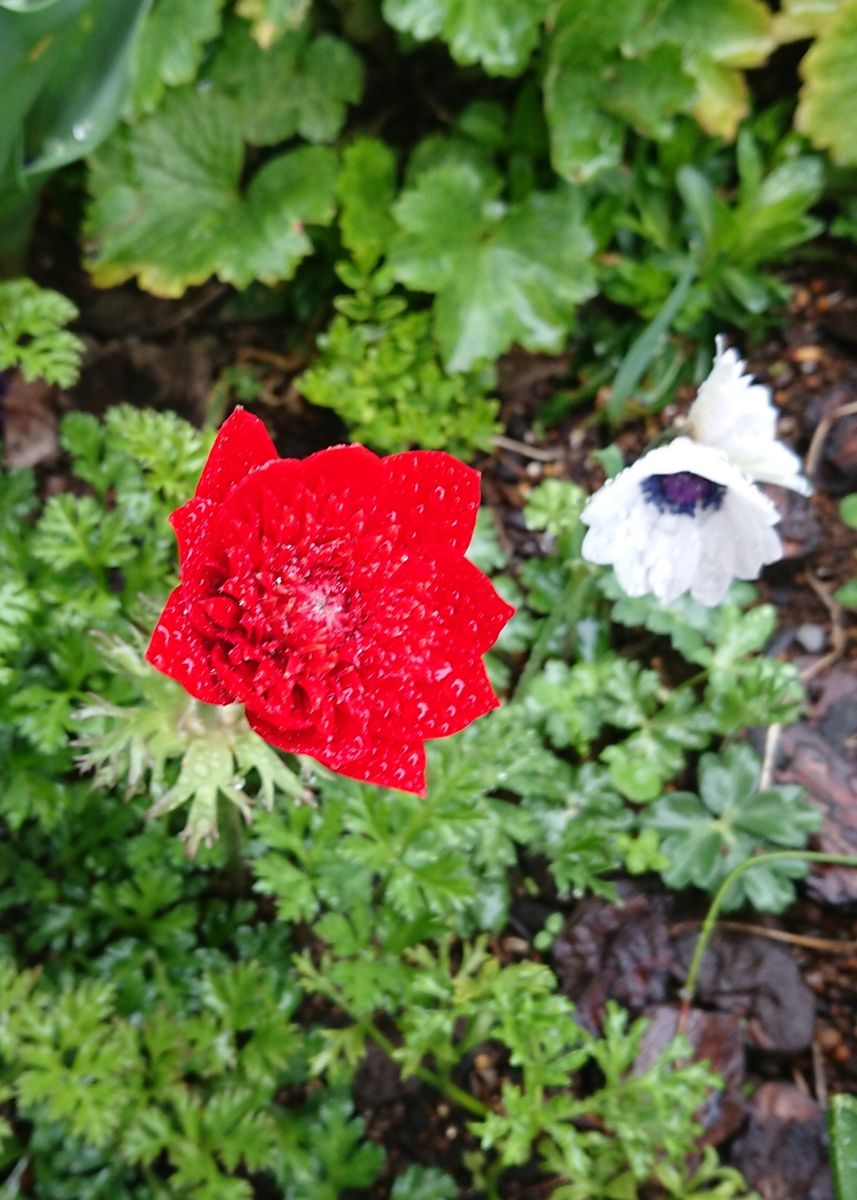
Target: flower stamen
point(683, 493)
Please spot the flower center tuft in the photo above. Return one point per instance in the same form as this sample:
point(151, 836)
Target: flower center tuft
point(683, 493)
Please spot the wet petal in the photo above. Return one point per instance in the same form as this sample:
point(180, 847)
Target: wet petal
point(332, 598)
point(434, 497)
point(439, 599)
point(444, 698)
point(177, 649)
point(242, 444)
point(385, 762)
point(737, 416)
point(344, 479)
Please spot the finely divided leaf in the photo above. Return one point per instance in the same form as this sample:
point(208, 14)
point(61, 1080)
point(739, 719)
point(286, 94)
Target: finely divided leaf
point(31, 333)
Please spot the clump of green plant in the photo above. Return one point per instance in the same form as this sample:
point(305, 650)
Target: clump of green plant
point(705, 836)
point(722, 214)
point(642, 728)
point(32, 333)
point(446, 1003)
point(162, 1043)
point(380, 369)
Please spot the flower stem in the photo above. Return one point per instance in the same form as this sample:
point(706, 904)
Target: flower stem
point(451, 1090)
point(233, 842)
point(708, 925)
point(566, 612)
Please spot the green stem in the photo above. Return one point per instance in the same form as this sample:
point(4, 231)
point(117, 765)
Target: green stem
point(567, 612)
point(689, 989)
point(233, 842)
point(451, 1090)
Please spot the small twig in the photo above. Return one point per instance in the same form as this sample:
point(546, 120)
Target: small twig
point(800, 1080)
point(818, 1074)
point(838, 636)
point(822, 429)
point(288, 363)
point(12, 1186)
point(194, 306)
point(828, 945)
point(772, 740)
point(534, 452)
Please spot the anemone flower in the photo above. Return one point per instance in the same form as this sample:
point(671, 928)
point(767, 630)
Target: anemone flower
point(688, 516)
point(733, 414)
point(331, 597)
point(682, 518)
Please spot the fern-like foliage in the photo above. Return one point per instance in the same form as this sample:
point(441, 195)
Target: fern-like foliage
point(136, 746)
point(380, 369)
point(32, 336)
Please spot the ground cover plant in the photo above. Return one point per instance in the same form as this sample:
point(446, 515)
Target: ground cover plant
point(429, 628)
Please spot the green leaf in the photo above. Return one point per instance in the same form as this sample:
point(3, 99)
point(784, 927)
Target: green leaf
point(63, 71)
point(705, 837)
point(847, 594)
point(271, 18)
point(170, 48)
point(848, 510)
point(365, 190)
point(638, 63)
point(384, 377)
point(31, 333)
point(501, 273)
point(717, 40)
point(424, 1183)
point(500, 36)
point(829, 93)
point(843, 1144)
point(301, 85)
point(169, 205)
point(593, 91)
point(800, 20)
point(555, 505)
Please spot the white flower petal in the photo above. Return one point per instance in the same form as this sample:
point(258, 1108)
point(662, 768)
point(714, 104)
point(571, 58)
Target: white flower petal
point(733, 414)
point(666, 553)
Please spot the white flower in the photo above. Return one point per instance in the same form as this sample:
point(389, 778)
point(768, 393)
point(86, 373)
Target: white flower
point(733, 414)
point(682, 518)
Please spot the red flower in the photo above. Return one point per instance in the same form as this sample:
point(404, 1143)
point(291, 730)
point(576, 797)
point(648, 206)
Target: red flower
point(331, 597)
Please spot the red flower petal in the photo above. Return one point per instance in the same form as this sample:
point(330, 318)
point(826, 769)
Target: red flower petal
point(178, 650)
point(385, 762)
point(436, 497)
point(439, 599)
point(191, 525)
point(444, 700)
point(344, 477)
point(242, 444)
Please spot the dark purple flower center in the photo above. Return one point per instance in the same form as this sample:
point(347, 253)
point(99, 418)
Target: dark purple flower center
point(683, 493)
